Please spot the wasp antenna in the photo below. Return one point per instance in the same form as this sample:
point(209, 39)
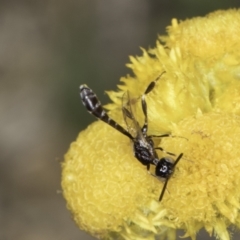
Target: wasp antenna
point(178, 159)
point(163, 190)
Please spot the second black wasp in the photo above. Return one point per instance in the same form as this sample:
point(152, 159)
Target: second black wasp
point(143, 145)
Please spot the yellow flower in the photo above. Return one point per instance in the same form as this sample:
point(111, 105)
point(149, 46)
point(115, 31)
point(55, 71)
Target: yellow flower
point(110, 193)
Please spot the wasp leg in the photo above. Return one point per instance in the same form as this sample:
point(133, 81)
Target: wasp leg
point(169, 153)
point(144, 104)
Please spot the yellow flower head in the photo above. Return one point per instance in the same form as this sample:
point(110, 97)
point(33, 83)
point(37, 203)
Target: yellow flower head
point(110, 193)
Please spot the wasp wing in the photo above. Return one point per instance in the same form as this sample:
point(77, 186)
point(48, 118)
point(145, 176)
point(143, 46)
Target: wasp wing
point(132, 124)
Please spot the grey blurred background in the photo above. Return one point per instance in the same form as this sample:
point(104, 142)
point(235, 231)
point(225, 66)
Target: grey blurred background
point(47, 49)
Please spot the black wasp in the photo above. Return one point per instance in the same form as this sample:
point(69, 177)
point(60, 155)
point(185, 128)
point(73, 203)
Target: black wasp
point(143, 145)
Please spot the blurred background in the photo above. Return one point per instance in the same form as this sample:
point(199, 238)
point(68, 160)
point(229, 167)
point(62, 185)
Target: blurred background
point(48, 48)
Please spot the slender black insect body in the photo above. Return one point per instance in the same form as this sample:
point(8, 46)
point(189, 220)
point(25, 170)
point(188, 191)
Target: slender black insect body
point(94, 106)
point(143, 145)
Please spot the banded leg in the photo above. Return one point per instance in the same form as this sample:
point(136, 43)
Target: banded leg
point(169, 153)
point(144, 104)
point(161, 136)
point(166, 135)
